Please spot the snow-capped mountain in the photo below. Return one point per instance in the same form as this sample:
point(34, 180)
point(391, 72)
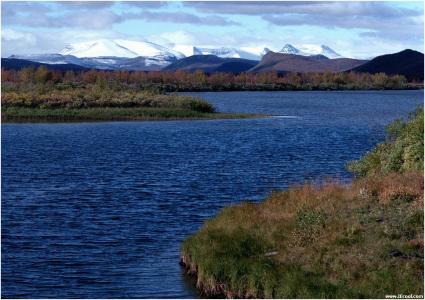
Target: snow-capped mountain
point(322, 50)
point(119, 54)
point(223, 52)
point(139, 63)
point(309, 50)
point(258, 52)
point(111, 54)
point(118, 48)
point(289, 49)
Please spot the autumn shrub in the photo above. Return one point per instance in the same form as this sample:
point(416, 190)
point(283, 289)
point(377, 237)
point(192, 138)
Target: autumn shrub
point(52, 97)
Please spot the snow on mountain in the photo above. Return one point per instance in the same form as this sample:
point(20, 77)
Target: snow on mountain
point(289, 49)
point(326, 51)
point(225, 53)
point(119, 54)
point(148, 49)
point(309, 50)
point(98, 48)
point(186, 50)
point(322, 50)
point(257, 52)
point(118, 48)
point(49, 58)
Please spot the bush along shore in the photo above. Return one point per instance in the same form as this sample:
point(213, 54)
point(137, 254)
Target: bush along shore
point(38, 96)
point(358, 240)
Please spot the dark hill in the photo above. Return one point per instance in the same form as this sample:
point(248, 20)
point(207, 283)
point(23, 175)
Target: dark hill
point(408, 62)
point(18, 64)
point(211, 64)
point(280, 62)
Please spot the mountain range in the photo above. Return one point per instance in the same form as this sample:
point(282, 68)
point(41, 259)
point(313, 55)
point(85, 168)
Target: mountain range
point(282, 62)
point(121, 54)
point(310, 50)
point(212, 64)
point(146, 56)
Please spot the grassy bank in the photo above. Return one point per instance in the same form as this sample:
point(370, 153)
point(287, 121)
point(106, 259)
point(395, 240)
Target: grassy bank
point(22, 114)
point(364, 239)
point(62, 103)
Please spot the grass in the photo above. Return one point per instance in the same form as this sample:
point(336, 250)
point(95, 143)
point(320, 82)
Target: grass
point(25, 114)
point(330, 241)
point(359, 240)
point(54, 103)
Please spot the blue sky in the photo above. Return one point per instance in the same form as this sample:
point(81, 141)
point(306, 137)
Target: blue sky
point(353, 29)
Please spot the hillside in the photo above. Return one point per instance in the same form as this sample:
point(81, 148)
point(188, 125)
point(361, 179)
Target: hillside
point(211, 64)
point(18, 64)
point(139, 63)
point(281, 62)
point(408, 62)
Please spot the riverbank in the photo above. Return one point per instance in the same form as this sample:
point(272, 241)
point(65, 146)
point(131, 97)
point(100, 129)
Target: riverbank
point(361, 240)
point(22, 114)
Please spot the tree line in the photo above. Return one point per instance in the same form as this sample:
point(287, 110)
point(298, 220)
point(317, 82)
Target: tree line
point(162, 81)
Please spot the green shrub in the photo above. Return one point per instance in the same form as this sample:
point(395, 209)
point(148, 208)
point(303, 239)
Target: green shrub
point(402, 151)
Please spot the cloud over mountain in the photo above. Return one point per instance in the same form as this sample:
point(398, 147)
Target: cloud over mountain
point(354, 28)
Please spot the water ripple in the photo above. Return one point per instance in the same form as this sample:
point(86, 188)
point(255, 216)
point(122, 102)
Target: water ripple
point(98, 210)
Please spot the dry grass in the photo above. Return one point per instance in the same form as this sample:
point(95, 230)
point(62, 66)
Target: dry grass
point(359, 240)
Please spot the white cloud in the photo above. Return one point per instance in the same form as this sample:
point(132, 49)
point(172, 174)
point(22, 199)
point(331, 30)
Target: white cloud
point(26, 42)
point(173, 37)
point(13, 35)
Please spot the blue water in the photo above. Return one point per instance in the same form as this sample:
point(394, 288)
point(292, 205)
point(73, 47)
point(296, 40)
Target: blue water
point(99, 210)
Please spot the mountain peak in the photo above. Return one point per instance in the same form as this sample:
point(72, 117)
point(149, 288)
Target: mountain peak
point(310, 50)
point(101, 47)
point(118, 48)
point(289, 49)
point(327, 51)
point(225, 52)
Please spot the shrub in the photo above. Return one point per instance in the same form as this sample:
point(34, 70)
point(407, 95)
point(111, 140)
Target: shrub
point(66, 95)
point(402, 150)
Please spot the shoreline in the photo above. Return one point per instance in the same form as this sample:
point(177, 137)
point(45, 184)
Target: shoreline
point(297, 90)
point(412, 88)
point(232, 256)
point(329, 240)
point(11, 115)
